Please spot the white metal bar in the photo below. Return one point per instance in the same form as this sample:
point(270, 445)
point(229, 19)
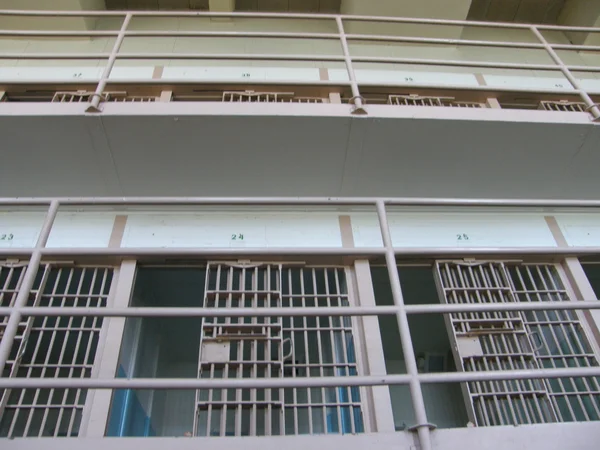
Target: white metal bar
point(263, 383)
point(307, 201)
point(96, 97)
point(418, 402)
point(439, 252)
point(454, 63)
point(356, 97)
point(232, 251)
point(290, 312)
point(232, 34)
point(592, 106)
point(445, 41)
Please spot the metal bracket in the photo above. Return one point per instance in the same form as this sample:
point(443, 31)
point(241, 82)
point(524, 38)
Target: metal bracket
point(415, 428)
point(358, 103)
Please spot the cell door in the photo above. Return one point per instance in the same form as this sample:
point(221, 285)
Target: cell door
point(241, 348)
point(519, 340)
point(561, 338)
point(492, 341)
point(276, 347)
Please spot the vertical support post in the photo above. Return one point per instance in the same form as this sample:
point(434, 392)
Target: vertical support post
point(375, 359)
point(356, 97)
point(21, 301)
point(584, 291)
point(110, 351)
point(422, 426)
point(95, 100)
point(591, 106)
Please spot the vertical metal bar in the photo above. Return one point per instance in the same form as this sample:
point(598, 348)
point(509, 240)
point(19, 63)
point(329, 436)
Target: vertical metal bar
point(591, 106)
point(410, 359)
point(356, 97)
point(332, 322)
point(307, 358)
point(293, 344)
point(255, 301)
point(95, 99)
point(32, 267)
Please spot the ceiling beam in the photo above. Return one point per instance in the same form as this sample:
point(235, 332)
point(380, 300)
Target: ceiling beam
point(430, 9)
point(581, 13)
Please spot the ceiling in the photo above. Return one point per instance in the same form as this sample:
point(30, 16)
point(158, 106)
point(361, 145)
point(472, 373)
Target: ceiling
point(299, 6)
point(525, 11)
point(200, 150)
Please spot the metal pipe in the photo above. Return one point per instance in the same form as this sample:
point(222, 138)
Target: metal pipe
point(234, 34)
point(447, 252)
point(296, 312)
point(86, 56)
point(307, 201)
point(187, 252)
point(454, 63)
point(204, 251)
point(416, 393)
point(592, 106)
point(231, 56)
point(57, 33)
point(30, 273)
point(356, 97)
point(297, 382)
point(95, 99)
point(441, 41)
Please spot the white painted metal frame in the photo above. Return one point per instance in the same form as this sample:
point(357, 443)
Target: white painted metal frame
point(341, 36)
point(18, 309)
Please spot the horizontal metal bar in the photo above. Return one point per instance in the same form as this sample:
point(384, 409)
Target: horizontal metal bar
point(307, 201)
point(58, 33)
point(443, 41)
point(521, 251)
point(261, 383)
point(458, 87)
point(231, 56)
point(454, 63)
point(438, 252)
point(233, 34)
point(49, 311)
point(575, 47)
point(204, 251)
point(85, 56)
point(584, 68)
point(493, 307)
point(171, 81)
point(57, 13)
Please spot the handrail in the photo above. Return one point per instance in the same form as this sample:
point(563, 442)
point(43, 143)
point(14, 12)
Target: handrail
point(339, 23)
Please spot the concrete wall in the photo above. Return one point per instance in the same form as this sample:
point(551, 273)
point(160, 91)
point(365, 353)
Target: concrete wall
point(272, 229)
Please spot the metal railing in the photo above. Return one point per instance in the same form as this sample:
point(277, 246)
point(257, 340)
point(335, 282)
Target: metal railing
point(340, 35)
point(19, 309)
